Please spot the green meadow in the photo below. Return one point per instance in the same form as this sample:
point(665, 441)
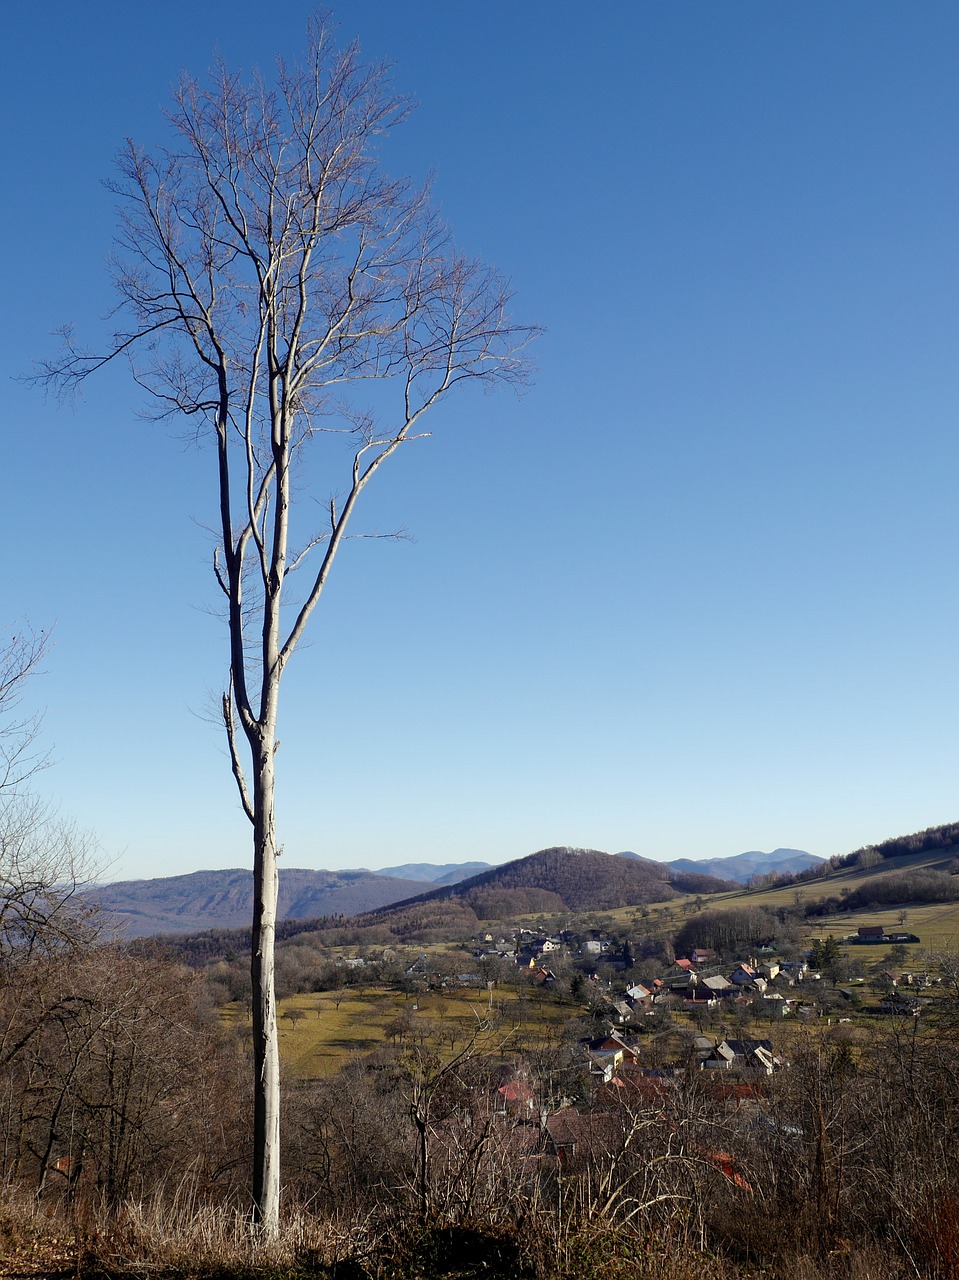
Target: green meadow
point(321, 1031)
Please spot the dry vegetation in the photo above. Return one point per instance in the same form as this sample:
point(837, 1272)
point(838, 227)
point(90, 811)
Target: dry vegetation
point(125, 1140)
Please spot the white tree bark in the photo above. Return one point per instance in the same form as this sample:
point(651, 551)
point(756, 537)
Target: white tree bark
point(266, 1044)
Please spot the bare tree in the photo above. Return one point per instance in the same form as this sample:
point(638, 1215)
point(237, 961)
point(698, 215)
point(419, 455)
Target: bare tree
point(21, 652)
point(44, 862)
point(266, 266)
point(43, 859)
point(431, 1082)
point(293, 1016)
point(109, 1063)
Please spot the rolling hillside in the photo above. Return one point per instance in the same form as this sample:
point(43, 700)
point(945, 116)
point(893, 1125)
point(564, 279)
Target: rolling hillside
point(224, 899)
point(906, 883)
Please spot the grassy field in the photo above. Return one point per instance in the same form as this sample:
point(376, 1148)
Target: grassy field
point(335, 1025)
point(936, 926)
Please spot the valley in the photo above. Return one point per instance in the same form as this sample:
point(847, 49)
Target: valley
point(539, 1031)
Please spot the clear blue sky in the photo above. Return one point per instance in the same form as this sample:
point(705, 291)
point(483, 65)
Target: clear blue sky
point(696, 592)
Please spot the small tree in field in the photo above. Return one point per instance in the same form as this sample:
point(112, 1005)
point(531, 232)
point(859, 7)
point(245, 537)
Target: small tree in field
point(267, 271)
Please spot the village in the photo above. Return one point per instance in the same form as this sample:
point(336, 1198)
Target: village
point(702, 1011)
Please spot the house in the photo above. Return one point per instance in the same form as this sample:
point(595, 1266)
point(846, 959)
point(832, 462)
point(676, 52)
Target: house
point(638, 994)
point(620, 1011)
point(530, 952)
point(700, 1049)
point(605, 1055)
point(613, 1043)
point(782, 980)
point(681, 977)
point(572, 1137)
point(727, 1165)
point(565, 1132)
point(871, 933)
point(743, 1055)
point(604, 1064)
point(543, 977)
point(720, 1056)
point(919, 979)
point(773, 1005)
point(515, 1097)
point(743, 974)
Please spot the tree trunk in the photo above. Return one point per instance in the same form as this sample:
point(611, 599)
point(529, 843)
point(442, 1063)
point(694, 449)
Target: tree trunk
point(421, 1122)
point(266, 1050)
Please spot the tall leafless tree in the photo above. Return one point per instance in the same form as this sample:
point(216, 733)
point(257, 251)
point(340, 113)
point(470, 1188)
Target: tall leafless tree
point(268, 270)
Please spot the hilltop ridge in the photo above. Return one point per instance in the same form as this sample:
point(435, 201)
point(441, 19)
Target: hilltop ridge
point(563, 878)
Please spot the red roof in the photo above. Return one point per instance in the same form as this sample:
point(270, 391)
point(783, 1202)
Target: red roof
point(727, 1166)
point(515, 1091)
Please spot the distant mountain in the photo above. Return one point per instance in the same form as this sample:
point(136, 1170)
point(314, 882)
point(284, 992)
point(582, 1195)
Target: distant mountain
point(743, 866)
point(447, 873)
point(224, 899)
point(564, 879)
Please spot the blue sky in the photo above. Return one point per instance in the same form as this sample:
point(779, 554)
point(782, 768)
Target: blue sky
point(694, 592)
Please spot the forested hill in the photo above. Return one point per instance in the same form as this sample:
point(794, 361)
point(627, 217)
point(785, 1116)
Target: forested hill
point(561, 879)
point(942, 837)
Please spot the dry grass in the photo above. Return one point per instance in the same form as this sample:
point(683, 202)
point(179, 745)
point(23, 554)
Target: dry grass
point(189, 1239)
point(35, 1241)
